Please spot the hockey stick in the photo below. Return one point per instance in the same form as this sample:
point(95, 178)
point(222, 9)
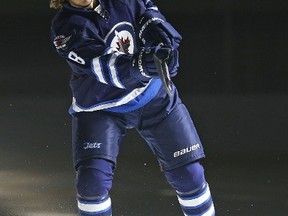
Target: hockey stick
point(163, 71)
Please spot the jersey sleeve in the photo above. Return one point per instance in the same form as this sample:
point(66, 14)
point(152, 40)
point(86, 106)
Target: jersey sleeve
point(87, 54)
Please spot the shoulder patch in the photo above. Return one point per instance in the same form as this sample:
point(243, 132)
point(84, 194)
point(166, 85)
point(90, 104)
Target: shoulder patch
point(60, 41)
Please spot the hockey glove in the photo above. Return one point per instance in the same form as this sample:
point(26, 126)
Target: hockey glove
point(154, 29)
point(173, 63)
point(146, 65)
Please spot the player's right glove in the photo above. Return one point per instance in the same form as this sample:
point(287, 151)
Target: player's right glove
point(154, 29)
point(144, 61)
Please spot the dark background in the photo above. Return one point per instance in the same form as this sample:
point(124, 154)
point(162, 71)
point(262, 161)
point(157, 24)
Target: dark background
point(233, 79)
point(229, 46)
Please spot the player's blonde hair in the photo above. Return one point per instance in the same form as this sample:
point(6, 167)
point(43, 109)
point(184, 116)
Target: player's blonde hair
point(57, 4)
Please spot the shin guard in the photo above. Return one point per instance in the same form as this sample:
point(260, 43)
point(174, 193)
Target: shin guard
point(93, 183)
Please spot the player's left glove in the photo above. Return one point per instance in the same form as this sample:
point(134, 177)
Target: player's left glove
point(146, 62)
point(173, 62)
point(154, 29)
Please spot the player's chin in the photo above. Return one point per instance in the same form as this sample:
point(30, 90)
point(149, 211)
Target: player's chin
point(86, 3)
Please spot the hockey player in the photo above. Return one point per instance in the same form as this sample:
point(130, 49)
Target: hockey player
point(109, 45)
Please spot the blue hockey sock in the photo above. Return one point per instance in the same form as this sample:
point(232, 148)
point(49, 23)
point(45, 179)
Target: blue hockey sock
point(100, 207)
point(192, 189)
point(198, 202)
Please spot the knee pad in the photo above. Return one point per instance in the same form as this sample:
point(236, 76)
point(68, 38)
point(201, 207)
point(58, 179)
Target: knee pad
point(94, 179)
point(186, 178)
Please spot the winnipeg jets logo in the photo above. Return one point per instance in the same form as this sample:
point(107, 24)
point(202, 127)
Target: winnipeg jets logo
point(60, 41)
point(121, 37)
point(122, 41)
point(123, 44)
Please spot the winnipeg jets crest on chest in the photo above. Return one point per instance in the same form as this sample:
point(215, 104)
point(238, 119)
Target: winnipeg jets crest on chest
point(122, 38)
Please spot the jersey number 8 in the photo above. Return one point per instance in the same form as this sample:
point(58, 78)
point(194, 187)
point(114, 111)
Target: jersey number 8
point(74, 57)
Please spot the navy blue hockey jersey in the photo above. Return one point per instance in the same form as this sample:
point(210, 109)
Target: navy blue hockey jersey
point(99, 45)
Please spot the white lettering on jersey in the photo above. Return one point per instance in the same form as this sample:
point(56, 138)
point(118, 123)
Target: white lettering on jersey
point(74, 57)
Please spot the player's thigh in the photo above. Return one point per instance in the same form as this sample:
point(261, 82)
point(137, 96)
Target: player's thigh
point(96, 135)
point(174, 140)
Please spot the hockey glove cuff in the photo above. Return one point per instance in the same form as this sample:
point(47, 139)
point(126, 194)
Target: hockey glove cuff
point(154, 29)
point(145, 65)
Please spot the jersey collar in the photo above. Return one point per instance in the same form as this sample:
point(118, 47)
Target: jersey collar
point(100, 10)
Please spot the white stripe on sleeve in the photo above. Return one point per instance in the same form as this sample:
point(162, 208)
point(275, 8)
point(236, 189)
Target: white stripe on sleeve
point(97, 70)
point(113, 72)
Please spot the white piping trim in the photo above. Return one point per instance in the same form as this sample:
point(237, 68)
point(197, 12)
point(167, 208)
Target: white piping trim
point(132, 95)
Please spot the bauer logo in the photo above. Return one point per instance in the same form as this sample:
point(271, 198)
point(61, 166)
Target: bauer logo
point(92, 145)
point(187, 150)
